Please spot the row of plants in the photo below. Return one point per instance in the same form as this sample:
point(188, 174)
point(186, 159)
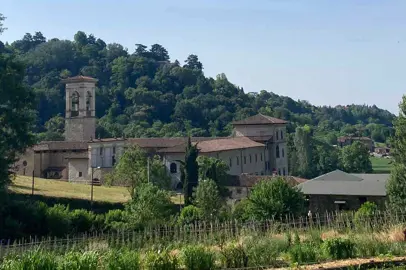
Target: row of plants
point(249, 251)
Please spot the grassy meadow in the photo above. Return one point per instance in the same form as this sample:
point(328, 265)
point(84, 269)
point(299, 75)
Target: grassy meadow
point(381, 165)
point(63, 189)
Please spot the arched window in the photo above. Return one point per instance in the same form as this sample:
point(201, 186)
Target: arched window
point(88, 101)
point(277, 151)
point(173, 168)
point(75, 104)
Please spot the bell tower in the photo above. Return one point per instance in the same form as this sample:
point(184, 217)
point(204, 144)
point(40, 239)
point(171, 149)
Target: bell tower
point(80, 113)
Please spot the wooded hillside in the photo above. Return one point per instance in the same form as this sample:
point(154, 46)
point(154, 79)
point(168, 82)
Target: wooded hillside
point(143, 93)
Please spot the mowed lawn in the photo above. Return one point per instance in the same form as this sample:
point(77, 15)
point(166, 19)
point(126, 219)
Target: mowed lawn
point(62, 189)
point(381, 165)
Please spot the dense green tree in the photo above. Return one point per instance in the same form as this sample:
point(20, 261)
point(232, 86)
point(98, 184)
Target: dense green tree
point(207, 199)
point(355, 158)
point(16, 114)
point(216, 170)
point(274, 198)
point(191, 171)
point(134, 168)
point(2, 28)
point(150, 206)
point(304, 153)
point(396, 187)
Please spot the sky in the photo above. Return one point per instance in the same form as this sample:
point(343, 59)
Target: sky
point(326, 52)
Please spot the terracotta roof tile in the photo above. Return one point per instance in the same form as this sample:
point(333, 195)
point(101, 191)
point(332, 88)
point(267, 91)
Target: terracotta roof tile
point(79, 78)
point(259, 119)
point(216, 144)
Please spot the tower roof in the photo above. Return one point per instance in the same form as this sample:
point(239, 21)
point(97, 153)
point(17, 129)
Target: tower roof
point(79, 78)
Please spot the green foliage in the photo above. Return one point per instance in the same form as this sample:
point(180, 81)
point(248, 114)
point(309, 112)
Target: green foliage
point(274, 197)
point(207, 199)
point(191, 171)
point(82, 220)
point(364, 214)
point(265, 251)
point(2, 18)
point(160, 261)
point(216, 170)
point(150, 206)
point(189, 215)
point(198, 258)
point(58, 220)
point(241, 210)
point(116, 220)
point(122, 260)
point(234, 256)
point(132, 170)
point(396, 187)
point(338, 248)
point(30, 261)
point(80, 261)
point(355, 158)
point(303, 253)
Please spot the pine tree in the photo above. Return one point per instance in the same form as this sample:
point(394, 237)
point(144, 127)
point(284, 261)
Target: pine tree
point(396, 187)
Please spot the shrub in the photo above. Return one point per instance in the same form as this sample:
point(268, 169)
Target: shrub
point(160, 261)
point(198, 258)
point(123, 260)
point(116, 220)
point(265, 251)
point(371, 246)
point(82, 220)
point(58, 220)
point(303, 253)
point(234, 256)
point(365, 214)
point(338, 248)
point(189, 215)
point(80, 261)
point(31, 260)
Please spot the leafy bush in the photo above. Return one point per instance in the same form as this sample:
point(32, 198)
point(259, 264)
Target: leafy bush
point(265, 251)
point(198, 258)
point(122, 260)
point(116, 220)
point(338, 248)
point(58, 220)
point(365, 214)
point(82, 220)
point(304, 252)
point(160, 261)
point(371, 246)
point(189, 215)
point(31, 260)
point(80, 261)
point(234, 256)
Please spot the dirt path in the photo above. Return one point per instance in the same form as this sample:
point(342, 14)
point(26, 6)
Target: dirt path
point(350, 262)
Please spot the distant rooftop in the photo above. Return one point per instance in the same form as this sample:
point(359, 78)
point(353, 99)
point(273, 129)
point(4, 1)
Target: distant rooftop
point(259, 119)
point(341, 183)
point(79, 78)
point(344, 138)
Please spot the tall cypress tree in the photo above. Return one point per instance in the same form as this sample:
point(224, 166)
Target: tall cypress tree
point(191, 171)
point(396, 187)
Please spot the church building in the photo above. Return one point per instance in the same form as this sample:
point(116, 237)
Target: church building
point(256, 147)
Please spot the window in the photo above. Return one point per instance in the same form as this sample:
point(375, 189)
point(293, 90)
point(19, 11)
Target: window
point(74, 111)
point(113, 160)
point(277, 135)
point(250, 159)
point(281, 134)
point(284, 171)
point(88, 99)
point(245, 160)
point(256, 173)
point(256, 157)
point(80, 174)
point(277, 151)
point(362, 200)
point(262, 173)
point(261, 157)
point(114, 149)
point(238, 161)
point(231, 162)
point(101, 151)
point(283, 152)
point(173, 168)
point(279, 171)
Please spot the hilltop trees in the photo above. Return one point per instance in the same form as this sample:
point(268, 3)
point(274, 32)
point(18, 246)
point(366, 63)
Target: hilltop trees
point(355, 158)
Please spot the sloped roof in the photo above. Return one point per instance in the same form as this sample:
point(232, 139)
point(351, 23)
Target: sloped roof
point(79, 78)
point(216, 144)
point(60, 145)
point(260, 119)
point(344, 138)
point(340, 183)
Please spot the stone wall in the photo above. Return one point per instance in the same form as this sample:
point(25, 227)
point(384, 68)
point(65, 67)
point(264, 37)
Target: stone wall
point(78, 170)
point(80, 128)
point(323, 203)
